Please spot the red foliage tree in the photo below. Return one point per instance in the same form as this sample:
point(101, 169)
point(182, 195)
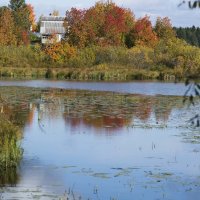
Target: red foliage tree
point(115, 25)
point(76, 32)
point(143, 33)
point(102, 24)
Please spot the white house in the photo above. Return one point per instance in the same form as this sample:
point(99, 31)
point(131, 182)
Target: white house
point(52, 25)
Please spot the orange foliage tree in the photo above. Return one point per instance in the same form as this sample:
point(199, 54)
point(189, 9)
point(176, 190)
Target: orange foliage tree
point(31, 16)
point(60, 52)
point(143, 33)
point(7, 34)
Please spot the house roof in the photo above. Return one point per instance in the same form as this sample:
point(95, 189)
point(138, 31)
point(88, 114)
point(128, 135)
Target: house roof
point(52, 18)
point(52, 25)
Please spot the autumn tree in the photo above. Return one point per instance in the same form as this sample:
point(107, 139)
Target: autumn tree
point(108, 23)
point(94, 20)
point(142, 33)
point(163, 28)
point(21, 15)
point(60, 52)
point(7, 34)
point(102, 24)
point(31, 16)
point(75, 33)
point(118, 22)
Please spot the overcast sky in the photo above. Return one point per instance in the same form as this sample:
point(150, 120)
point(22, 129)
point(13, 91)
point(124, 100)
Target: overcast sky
point(182, 16)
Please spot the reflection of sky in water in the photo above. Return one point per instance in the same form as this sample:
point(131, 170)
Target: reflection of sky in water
point(143, 157)
point(116, 161)
point(61, 145)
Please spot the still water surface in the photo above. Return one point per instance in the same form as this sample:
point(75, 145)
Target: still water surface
point(104, 145)
point(147, 88)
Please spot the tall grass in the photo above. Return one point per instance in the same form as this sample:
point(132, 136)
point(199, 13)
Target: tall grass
point(10, 150)
point(22, 57)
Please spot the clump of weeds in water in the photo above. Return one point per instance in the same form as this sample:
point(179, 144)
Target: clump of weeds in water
point(10, 151)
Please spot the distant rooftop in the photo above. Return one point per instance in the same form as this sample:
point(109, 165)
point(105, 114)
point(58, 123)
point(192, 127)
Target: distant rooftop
point(52, 25)
point(52, 18)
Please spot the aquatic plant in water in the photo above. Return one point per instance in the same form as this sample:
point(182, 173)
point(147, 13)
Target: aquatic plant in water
point(10, 150)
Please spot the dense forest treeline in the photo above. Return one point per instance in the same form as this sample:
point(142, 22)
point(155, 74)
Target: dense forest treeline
point(103, 42)
point(190, 34)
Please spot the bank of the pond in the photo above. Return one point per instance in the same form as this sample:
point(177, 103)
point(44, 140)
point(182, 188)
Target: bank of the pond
point(167, 61)
point(97, 73)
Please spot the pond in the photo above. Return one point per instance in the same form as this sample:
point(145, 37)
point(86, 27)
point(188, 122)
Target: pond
point(139, 87)
point(102, 141)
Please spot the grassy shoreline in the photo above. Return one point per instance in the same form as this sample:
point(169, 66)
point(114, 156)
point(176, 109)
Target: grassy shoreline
point(169, 60)
point(96, 73)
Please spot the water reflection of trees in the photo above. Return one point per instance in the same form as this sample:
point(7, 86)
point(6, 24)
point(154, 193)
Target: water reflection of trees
point(105, 109)
point(121, 111)
point(163, 107)
point(92, 109)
